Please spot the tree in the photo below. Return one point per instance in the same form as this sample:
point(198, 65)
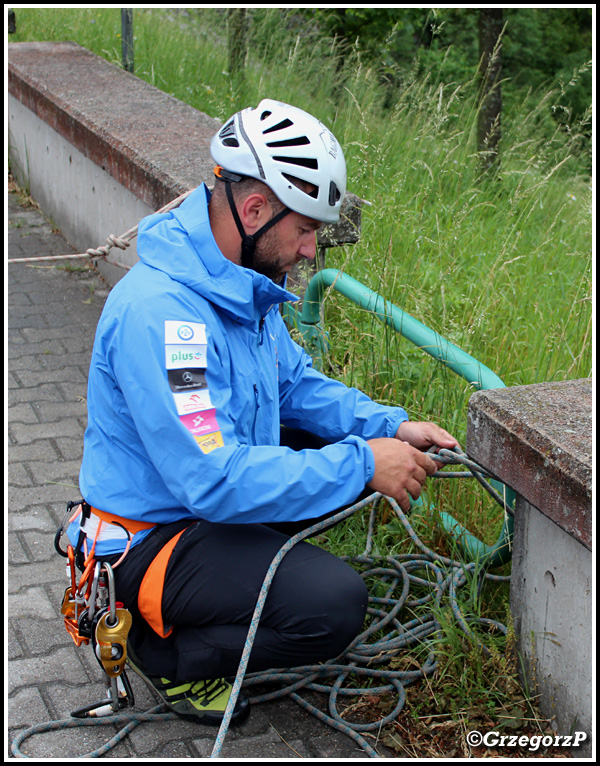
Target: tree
point(237, 27)
point(490, 95)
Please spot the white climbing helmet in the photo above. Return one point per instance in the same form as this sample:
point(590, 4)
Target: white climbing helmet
point(277, 143)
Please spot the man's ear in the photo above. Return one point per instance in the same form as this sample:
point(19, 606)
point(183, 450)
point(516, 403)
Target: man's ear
point(254, 212)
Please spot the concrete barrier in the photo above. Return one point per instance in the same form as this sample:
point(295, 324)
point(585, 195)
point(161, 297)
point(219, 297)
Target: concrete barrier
point(538, 440)
point(99, 149)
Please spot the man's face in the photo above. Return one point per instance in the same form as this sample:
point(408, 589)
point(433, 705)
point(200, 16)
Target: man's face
point(289, 242)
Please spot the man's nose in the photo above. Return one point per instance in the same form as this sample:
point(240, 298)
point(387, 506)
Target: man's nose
point(308, 248)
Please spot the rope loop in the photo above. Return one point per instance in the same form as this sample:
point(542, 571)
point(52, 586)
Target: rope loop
point(158, 713)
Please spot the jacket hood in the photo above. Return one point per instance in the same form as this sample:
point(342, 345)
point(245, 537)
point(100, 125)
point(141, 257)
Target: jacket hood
point(180, 243)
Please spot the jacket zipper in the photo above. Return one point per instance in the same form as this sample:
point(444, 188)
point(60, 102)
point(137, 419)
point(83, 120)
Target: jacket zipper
point(256, 409)
point(265, 368)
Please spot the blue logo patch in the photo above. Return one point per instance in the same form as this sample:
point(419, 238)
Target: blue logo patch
point(185, 332)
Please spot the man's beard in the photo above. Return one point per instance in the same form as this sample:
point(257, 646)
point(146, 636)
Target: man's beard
point(267, 260)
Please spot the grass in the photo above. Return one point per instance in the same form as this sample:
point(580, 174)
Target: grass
point(501, 265)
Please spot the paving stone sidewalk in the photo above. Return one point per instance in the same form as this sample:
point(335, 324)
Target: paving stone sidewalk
point(53, 311)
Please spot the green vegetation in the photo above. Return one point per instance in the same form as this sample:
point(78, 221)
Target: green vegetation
point(500, 265)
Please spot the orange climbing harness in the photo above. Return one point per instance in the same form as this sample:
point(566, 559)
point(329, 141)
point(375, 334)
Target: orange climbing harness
point(77, 608)
point(151, 589)
point(89, 607)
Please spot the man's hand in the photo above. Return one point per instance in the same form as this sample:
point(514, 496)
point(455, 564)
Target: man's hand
point(400, 466)
point(424, 435)
point(400, 470)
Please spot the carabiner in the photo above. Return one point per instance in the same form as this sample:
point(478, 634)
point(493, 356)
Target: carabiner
point(112, 601)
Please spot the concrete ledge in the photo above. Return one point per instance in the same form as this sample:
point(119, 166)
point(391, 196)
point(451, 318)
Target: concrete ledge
point(538, 440)
point(98, 148)
point(154, 145)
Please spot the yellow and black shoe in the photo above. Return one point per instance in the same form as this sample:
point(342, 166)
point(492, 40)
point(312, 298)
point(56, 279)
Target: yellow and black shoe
point(203, 702)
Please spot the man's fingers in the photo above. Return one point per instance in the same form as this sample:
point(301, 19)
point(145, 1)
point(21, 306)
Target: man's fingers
point(414, 488)
point(400, 470)
point(426, 462)
point(425, 434)
point(403, 501)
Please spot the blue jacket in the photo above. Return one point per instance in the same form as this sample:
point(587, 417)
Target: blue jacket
point(192, 372)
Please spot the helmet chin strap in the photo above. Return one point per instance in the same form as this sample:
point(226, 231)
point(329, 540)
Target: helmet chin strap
point(249, 240)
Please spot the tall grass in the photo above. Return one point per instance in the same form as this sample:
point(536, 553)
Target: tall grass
point(500, 266)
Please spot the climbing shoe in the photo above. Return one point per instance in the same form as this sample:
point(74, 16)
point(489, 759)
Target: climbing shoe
point(203, 702)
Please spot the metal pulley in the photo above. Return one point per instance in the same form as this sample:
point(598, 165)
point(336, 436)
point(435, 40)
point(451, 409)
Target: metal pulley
point(111, 624)
point(111, 640)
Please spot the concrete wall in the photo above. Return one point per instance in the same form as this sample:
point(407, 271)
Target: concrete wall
point(84, 201)
point(552, 604)
point(96, 147)
point(538, 440)
point(99, 149)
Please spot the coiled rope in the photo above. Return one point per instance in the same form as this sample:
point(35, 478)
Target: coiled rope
point(369, 655)
point(368, 650)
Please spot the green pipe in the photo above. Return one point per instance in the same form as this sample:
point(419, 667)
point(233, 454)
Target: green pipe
point(308, 323)
point(475, 550)
point(475, 373)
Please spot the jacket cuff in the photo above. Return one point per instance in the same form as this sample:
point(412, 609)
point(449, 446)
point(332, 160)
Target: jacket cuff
point(394, 422)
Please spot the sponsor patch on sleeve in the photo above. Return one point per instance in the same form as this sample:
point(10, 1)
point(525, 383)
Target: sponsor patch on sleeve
point(178, 356)
point(187, 379)
point(209, 442)
point(186, 363)
point(185, 332)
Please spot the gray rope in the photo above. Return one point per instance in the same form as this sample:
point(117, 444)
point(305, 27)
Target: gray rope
point(449, 576)
point(368, 656)
point(132, 720)
point(122, 242)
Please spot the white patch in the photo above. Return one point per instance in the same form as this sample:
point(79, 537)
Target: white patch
point(193, 401)
point(193, 333)
point(178, 356)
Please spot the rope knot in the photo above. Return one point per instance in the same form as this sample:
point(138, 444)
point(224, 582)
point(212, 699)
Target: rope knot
point(123, 244)
point(111, 241)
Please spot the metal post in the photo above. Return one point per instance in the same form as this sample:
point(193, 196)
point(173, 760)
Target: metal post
point(127, 38)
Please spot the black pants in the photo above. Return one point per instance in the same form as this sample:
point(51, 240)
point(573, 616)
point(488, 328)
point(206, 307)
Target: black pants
point(315, 607)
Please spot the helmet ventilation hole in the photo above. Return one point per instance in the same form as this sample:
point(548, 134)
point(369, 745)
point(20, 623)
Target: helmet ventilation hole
point(228, 135)
point(308, 189)
point(300, 141)
point(280, 126)
point(303, 162)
